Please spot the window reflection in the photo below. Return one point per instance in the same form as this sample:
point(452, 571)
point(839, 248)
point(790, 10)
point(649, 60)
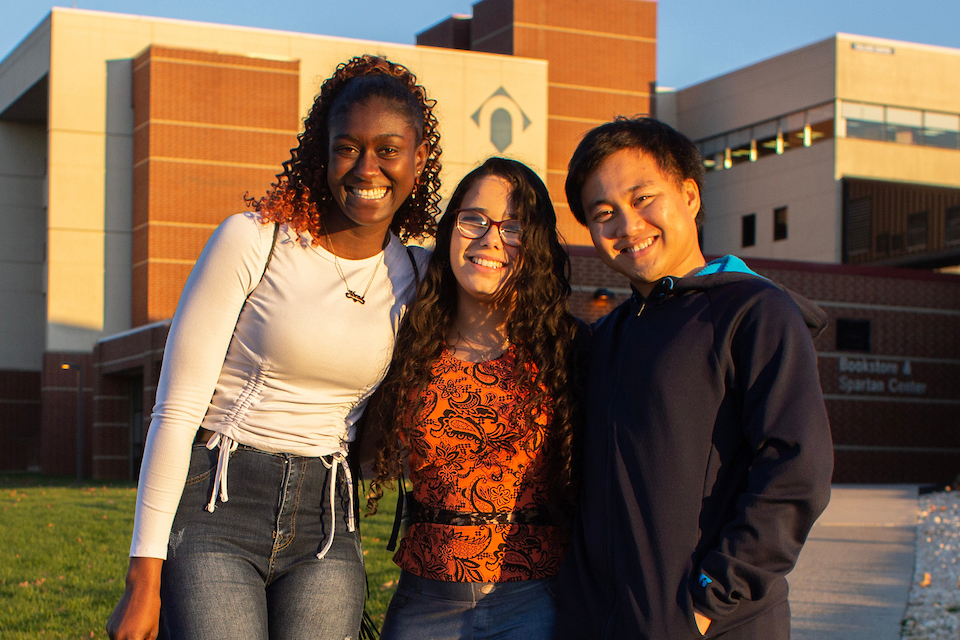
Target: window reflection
point(941, 130)
point(771, 137)
point(903, 125)
point(816, 124)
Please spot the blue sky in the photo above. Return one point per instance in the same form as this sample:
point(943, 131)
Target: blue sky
point(698, 39)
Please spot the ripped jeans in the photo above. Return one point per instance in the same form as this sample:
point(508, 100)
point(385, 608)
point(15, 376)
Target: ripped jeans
point(249, 570)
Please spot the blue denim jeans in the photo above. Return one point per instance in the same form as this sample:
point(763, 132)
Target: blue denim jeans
point(249, 570)
point(424, 609)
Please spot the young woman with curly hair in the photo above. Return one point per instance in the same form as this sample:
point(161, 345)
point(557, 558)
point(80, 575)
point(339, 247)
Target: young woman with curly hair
point(481, 401)
point(284, 329)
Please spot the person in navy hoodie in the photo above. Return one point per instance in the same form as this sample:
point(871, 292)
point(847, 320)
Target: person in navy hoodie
point(707, 454)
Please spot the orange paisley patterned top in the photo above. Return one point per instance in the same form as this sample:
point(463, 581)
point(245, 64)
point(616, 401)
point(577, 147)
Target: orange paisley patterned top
point(467, 456)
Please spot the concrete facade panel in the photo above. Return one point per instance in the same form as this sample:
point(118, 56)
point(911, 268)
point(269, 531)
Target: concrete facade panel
point(898, 73)
point(26, 65)
point(801, 180)
point(768, 89)
point(876, 160)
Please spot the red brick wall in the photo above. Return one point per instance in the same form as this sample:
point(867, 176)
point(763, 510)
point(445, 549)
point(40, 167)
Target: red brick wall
point(208, 129)
point(19, 420)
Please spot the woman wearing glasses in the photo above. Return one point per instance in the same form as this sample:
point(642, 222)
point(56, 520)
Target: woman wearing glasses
point(480, 400)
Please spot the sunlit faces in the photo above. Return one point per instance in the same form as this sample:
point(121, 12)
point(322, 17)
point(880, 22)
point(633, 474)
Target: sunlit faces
point(484, 266)
point(374, 161)
point(643, 223)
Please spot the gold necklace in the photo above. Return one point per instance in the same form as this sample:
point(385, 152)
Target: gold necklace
point(351, 294)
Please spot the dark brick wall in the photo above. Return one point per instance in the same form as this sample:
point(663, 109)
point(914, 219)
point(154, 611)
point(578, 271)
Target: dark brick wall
point(58, 414)
point(884, 434)
point(19, 420)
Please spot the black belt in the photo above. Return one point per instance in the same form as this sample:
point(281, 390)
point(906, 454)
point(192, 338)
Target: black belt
point(436, 515)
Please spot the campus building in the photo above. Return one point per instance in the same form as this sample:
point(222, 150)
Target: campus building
point(125, 140)
point(844, 151)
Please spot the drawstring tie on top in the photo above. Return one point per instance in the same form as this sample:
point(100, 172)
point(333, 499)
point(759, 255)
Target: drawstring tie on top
point(337, 460)
point(227, 446)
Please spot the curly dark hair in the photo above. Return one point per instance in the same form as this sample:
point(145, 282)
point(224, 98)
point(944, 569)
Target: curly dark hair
point(301, 195)
point(675, 155)
point(539, 325)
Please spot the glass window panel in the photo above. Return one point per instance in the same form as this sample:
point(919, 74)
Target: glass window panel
point(863, 120)
point(904, 117)
point(821, 131)
point(944, 121)
point(712, 145)
point(766, 136)
point(780, 223)
point(863, 112)
point(793, 131)
point(904, 126)
point(853, 334)
point(952, 226)
point(820, 114)
point(917, 231)
point(748, 230)
point(739, 143)
point(941, 130)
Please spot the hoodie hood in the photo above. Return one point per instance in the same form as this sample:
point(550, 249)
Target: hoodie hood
point(727, 270)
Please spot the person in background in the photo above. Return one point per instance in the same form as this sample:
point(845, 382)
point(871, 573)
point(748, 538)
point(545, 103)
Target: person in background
point(481, 402)
point(707, 451)
point(284, 329)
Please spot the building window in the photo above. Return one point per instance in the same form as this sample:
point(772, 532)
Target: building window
point(853, 335)
point(780, 223)
point(881, 244)
point(951, 230)
point(904, 125)
point(941, 130)
point(917, 231)
point(748, 235)
point(771, 137)
point(863, 120)
point(895, 124)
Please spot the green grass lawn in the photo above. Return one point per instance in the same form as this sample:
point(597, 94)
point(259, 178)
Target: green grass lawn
point(64, 555)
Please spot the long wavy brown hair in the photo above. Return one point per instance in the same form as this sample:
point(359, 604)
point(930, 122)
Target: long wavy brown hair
point(301, 195)
point(539, 325)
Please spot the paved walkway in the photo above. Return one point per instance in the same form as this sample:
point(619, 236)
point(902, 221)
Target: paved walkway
point(853, 577)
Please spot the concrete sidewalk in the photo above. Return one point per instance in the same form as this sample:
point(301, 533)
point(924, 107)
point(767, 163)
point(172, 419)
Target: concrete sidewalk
point(854, 574)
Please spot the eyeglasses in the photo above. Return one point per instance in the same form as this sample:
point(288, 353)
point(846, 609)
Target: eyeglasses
point(473, 224)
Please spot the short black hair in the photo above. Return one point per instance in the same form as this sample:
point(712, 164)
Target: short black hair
point(673, 152)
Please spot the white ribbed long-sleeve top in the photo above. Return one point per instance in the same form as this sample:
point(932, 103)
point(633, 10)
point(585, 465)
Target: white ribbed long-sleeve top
point(291, 374)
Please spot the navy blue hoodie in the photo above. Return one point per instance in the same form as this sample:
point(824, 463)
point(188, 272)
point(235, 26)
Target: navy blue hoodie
point(707, 459)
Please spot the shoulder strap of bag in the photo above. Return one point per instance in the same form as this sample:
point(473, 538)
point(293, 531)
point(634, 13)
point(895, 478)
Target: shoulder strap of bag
point(273, 244)
point(413, 262)
point(399, 515)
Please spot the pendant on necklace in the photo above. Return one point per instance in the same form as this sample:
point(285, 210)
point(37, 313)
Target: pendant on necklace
point(356, 297)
